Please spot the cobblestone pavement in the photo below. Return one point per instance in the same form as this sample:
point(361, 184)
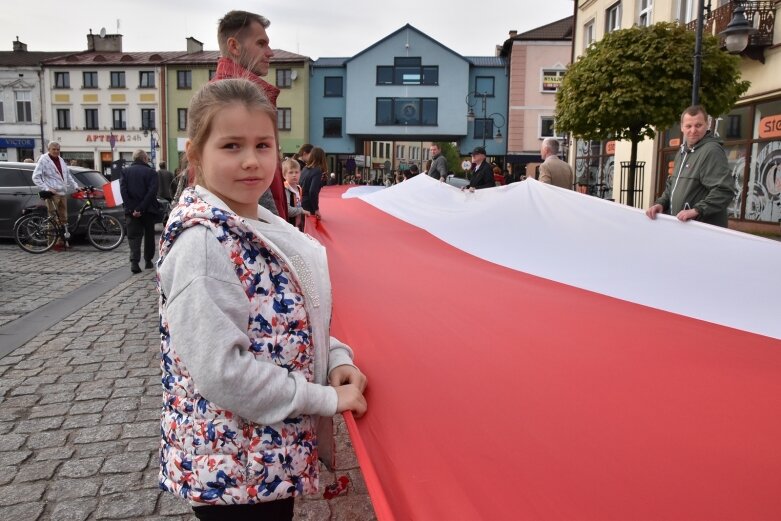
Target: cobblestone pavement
point(80, 402)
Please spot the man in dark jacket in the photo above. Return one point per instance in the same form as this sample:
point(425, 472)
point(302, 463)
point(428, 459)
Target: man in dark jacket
point(166, 186)
point(483, 175)
point(700, 186)
point(138, 185)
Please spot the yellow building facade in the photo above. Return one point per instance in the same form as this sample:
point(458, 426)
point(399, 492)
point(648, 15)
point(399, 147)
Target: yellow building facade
point(751, 131)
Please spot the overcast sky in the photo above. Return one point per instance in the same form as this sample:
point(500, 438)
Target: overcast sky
point(314, 28)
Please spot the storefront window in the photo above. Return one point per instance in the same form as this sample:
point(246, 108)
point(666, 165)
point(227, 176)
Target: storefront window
point(594, 167)
point(763, 197)
point(736, 158)
point(752, 141)
point(734, 126)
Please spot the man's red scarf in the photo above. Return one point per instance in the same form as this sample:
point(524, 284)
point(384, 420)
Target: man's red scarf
point(226, 69)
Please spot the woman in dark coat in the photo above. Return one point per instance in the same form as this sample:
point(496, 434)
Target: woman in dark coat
point(312, 181)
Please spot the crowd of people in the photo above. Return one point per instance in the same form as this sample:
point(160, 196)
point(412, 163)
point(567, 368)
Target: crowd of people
point(250, 371)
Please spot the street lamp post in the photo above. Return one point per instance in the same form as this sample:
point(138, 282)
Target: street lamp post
point(470, 115)
point(154, 144)
point(736, 39)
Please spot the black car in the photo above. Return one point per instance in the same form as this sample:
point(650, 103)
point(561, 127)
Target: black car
point(18, 192)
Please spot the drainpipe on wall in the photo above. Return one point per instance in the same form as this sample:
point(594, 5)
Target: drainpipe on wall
point(40, 89)
point(164, 116)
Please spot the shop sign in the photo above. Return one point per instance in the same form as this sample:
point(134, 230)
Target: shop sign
point(118, 138)
point(675, 142)
point(770, 126)
point(12, 142)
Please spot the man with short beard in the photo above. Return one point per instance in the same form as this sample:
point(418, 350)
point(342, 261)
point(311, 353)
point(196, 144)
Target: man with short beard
point(246, 53)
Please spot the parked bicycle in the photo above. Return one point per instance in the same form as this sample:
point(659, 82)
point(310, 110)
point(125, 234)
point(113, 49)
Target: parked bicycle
point(37, 233)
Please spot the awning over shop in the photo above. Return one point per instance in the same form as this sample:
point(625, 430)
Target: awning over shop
point(521, 159)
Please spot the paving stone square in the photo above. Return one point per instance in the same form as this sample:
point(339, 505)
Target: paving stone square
point(80, 400)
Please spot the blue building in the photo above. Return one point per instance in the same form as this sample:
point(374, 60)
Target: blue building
point(407, 87)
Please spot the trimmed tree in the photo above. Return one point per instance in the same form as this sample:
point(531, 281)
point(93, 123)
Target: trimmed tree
point(635, 81)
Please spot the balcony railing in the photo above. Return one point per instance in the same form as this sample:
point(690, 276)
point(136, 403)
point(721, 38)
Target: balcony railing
point(760, 13)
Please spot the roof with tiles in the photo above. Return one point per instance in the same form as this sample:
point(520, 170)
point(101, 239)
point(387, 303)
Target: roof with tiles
point(98, 58)
point(330, 62)
point(28, 58)
point(558, 31)
point(487, 61)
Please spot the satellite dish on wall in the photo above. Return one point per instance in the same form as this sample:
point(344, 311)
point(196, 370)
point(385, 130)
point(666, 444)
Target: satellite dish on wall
point(294, 75)
point(102, 32)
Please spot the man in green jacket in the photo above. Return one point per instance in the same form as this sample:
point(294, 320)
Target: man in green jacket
point(700, 187)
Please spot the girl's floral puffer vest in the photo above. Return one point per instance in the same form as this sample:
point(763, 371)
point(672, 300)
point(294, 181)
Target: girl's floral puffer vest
point(209, 455)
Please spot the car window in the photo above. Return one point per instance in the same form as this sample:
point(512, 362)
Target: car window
point(89, 178)
point(12, 177)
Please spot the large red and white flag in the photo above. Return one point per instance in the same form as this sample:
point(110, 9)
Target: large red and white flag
point(112, 193)
point(534, 353)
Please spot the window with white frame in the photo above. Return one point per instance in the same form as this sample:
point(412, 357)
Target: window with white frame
point(24, 106)
point(589, 36)
point(687, 10)
point(284, 116)
point(645, 11)
point(548, 127)
point(551, 79)
point(613, 18)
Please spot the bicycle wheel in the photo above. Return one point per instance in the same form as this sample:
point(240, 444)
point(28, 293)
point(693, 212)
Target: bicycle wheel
point(35, 233)
point(105, 232)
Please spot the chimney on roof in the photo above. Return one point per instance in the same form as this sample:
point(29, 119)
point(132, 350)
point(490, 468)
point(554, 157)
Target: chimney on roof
point(104, 42)
point(19, 46)
point(194, 45)
point(513, 33)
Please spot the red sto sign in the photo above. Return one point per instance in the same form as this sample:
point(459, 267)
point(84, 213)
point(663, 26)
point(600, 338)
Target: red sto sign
point(770, 126)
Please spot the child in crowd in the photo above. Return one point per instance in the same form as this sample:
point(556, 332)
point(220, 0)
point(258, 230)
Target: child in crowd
point(291, 171)
point(245, 306)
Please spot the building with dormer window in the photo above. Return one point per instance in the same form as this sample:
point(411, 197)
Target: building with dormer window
point(21, 124)
point(105, 103)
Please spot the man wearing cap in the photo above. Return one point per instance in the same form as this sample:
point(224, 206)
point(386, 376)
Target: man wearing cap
point(553, 170)
point(483, 175)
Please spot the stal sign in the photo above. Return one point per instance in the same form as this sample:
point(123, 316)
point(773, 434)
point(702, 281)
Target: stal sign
point(770, 127)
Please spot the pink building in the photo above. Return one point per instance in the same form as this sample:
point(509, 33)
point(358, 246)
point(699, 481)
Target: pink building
point(538, 59)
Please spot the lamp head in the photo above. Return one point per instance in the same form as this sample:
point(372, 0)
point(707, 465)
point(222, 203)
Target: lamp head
point(737, 32)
